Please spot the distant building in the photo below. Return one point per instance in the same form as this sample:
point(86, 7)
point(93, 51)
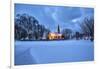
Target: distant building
point(55, 35)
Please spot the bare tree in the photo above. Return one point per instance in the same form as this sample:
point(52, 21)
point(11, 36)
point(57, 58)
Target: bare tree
point(87, 26)
point(67, 33)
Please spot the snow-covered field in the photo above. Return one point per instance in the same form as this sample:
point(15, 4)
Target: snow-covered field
point(42, 52)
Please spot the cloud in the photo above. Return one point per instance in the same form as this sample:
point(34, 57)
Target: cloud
point(51, 16)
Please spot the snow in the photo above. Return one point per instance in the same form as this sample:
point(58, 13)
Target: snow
point(42, 52)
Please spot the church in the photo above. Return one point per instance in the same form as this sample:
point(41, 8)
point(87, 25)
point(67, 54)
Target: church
point(55, 35)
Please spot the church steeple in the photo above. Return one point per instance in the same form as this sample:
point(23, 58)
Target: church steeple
point(58, 29)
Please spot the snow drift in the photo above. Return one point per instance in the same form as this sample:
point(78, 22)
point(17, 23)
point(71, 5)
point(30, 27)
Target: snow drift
point(42, 52)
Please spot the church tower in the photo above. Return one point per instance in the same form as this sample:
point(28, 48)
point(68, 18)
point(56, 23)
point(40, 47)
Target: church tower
point(58, 29)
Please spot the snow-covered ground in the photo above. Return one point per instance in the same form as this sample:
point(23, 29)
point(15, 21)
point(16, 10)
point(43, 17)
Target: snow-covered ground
point(42, 52)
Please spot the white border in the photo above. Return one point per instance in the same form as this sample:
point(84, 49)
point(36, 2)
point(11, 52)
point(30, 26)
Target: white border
point(80, 3)
point(77, 3)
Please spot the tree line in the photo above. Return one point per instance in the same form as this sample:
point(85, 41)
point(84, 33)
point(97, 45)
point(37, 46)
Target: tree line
point(28, 28)
point(87, 30)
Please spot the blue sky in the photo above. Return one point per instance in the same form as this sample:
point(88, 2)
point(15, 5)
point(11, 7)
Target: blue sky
point(51, 16)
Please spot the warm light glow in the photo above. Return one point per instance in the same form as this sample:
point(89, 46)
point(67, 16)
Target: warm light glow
point(54, 36)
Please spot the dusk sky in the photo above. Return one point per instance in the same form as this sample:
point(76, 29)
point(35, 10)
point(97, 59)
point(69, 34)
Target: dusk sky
point(51, 16)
